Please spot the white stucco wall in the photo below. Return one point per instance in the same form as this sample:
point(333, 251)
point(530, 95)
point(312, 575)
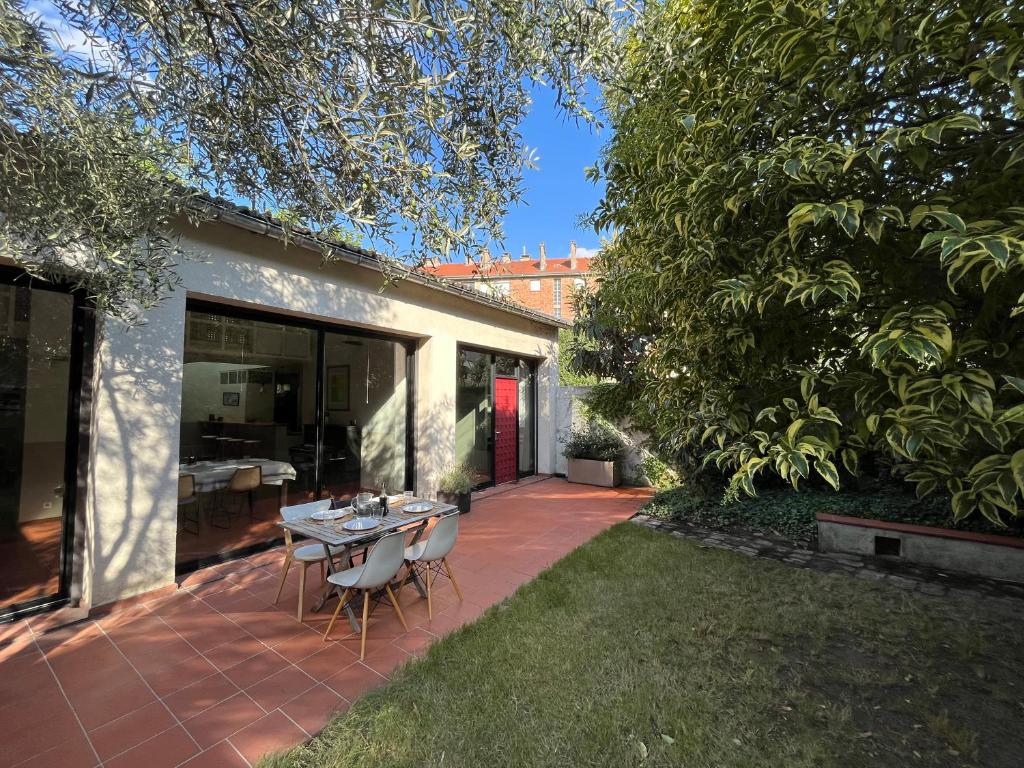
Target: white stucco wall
point(132, 509)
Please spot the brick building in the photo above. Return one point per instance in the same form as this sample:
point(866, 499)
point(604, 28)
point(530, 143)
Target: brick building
point(541, 284)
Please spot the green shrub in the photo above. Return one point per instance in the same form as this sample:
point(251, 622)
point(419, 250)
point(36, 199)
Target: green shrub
point(818, 261)
point(660, 474)
point(455, 478)
point(596, 441)
point(790, 513)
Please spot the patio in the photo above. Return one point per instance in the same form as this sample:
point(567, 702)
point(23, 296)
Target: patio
point(216, 675)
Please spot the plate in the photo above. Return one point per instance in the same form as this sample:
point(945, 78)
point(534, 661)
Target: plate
point(360, 524)
point(330, 514)
point(418, 506)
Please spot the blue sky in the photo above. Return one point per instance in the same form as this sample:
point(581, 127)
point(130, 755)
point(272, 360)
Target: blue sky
point(557, 193)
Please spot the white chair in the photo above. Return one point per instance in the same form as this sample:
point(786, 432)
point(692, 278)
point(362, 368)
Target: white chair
point(382, 564)
point(431, 555)
point(304, 555)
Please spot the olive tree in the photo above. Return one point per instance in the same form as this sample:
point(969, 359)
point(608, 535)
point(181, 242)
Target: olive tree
point(367, 114)
point(817, 256)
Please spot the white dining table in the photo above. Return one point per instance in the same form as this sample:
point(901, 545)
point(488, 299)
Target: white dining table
point(215, 475)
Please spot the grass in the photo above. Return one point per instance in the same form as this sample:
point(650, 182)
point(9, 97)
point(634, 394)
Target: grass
point(640, 649)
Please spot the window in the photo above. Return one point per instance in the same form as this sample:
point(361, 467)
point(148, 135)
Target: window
point(580, 284)
point(503, 288)
point(38, 370)
point(534, 285)
point(482, 286)
point(558, 297)
point(250, 390)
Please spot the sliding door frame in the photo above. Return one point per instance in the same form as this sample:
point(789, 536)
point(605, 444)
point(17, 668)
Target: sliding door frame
point(492, 366)
point(76, 445)
point(321, 327)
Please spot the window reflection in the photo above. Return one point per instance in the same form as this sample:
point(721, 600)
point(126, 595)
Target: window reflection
point(35, 375)
point(249, 399)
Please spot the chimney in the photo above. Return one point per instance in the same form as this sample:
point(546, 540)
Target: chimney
point(506, 257)
point(572, 255)
point(524, 256)
point(485, 258)
point(543, 257)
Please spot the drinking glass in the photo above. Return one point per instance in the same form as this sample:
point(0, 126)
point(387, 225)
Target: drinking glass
point(409, 496)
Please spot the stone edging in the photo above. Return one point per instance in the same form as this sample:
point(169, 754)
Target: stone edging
point(913, 578)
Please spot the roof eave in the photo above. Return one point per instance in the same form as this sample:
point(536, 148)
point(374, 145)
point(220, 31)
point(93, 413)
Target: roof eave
point(261, 225)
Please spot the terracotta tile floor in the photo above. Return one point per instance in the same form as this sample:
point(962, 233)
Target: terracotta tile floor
point(215, 674)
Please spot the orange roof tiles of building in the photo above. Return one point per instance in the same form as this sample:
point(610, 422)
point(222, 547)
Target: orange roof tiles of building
point(520, 267)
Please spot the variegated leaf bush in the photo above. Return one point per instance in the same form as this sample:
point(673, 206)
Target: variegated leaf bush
point(815, 264)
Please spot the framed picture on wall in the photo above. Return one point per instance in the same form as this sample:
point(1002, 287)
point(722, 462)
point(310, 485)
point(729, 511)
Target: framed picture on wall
point(338, 387)
point(231, 398)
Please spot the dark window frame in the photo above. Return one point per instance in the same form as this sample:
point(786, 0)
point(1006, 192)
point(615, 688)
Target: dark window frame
point(534, 365)
point(76, 444)
point(321, 328)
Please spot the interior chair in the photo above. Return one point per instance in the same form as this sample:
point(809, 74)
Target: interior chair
point(429, 556)
point(245, 480)
point(382, 564)
point(188, 502)
point(305, 555)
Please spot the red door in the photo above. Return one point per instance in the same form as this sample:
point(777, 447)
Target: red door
point(506, 418)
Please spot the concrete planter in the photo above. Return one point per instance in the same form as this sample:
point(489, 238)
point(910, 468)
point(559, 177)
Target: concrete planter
point(592, 472)
point(997, 557)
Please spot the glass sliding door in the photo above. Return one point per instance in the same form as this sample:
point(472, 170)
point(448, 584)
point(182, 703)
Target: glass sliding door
point(474, 396)
point(321, 413)
point(493, 387)
point(366, 408)
point(37, 376)
point(248, 398)
point(527, 416)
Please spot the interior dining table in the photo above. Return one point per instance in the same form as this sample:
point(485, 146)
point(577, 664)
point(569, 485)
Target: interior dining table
point(215, 475)
point(340, 544)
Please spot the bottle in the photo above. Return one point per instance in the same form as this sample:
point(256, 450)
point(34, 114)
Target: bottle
point(383, 500)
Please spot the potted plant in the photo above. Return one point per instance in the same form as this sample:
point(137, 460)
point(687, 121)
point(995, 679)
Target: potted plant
point(454, 485)
point(593, 453)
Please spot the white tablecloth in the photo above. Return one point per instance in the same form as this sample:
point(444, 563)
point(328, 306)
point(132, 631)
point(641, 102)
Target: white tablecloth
point(215, 475)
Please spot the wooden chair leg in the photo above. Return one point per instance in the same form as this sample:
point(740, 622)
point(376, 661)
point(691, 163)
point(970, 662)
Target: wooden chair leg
point(302, 589)
point(394, 604)
point(334, 618)
point(451, 577)
point(430, 604)
point(408, 572)
point(366, 616)
point(284, 574)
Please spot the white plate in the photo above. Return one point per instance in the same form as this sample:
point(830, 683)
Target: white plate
point(418, 506)
point(360, 524)
point(330, 514)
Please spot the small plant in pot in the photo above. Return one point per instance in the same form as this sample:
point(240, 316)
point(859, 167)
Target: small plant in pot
point(593, 453)
point(453, 486)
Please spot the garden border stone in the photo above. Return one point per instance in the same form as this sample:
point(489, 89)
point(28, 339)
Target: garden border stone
point(911, 577)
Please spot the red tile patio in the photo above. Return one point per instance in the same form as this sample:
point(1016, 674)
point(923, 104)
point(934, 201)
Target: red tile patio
point(214, 674)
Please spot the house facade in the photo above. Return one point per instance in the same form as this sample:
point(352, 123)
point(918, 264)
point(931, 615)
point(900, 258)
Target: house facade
point(542, 284)
point(331, 378)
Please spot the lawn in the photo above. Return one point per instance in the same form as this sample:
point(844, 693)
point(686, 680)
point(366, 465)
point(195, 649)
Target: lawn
point(640, 649)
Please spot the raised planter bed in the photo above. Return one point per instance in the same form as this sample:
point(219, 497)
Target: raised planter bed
point(592, 472)
point(984, 554)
